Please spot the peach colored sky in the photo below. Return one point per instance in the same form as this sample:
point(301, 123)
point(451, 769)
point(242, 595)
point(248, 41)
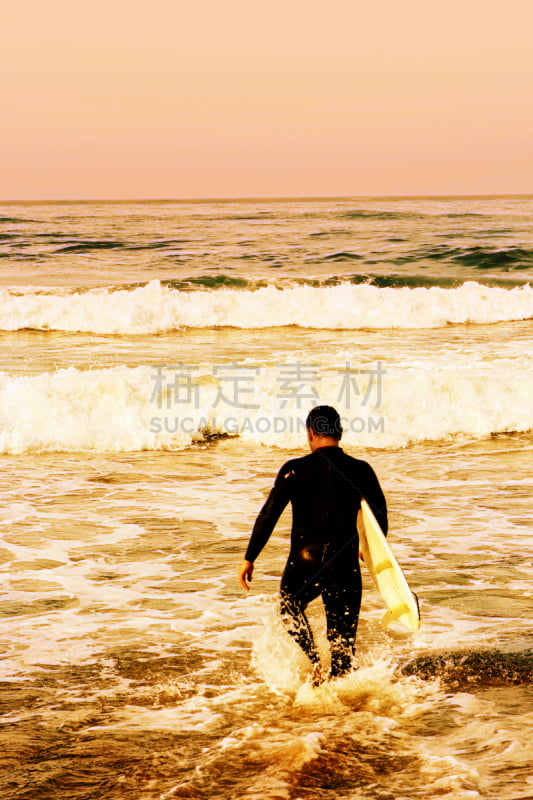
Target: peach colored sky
point(229, 98)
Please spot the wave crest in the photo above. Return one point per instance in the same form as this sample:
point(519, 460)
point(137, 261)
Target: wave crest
point(154, 308)
point(124, 409)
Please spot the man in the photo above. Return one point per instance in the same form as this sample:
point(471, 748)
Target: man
point(325, 489)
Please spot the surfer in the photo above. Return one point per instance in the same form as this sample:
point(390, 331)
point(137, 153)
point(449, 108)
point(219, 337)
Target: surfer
point(325, 489)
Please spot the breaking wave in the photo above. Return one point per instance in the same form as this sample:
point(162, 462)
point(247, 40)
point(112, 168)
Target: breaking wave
point(155, 308)
point(124, 409)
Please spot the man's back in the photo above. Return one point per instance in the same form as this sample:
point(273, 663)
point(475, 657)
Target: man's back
point(325, 489)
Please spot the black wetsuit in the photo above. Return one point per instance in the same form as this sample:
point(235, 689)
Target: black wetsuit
point(325, 489)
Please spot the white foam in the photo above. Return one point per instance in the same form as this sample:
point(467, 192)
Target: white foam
point(116, 409)
point(154, 308)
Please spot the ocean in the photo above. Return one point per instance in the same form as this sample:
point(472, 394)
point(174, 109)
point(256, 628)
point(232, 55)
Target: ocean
point(158, 363)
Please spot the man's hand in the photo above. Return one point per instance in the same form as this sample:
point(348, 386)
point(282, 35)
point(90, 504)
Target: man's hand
point(245, 573)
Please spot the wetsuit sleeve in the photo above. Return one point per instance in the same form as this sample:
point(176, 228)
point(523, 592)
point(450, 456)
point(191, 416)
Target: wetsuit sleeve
point(279, 496)
point(375, 498)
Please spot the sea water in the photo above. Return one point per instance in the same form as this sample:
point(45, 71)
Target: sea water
point(158, 362)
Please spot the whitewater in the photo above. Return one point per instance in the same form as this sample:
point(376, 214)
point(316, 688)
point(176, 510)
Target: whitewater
point(121, 409)
point(154, 308)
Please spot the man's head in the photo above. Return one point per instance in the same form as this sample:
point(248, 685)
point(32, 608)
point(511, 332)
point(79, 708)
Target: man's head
point(323, 427)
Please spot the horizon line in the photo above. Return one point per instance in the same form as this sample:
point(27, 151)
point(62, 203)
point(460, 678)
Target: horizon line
point(263, 198)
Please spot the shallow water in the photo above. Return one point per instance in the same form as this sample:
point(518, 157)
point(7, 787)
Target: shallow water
point(134, 667)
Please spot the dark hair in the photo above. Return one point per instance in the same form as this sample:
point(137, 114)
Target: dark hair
point(324, 421)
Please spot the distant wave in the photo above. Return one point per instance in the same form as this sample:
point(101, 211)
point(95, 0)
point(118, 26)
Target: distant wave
point(363, 213)
point(343, 256)
point(154, 308)
point(161, 244)
point(87, 246)
point(124, 409)
point(504, 258)
point(66, 244)
point(333, 232)
point(462, 214)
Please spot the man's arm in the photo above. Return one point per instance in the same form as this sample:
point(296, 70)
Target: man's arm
point(266, 520)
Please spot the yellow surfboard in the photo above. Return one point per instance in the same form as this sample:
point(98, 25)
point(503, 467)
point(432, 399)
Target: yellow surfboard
point(386, 573)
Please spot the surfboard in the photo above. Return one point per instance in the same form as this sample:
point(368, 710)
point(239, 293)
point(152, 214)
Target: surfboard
point(386, 573)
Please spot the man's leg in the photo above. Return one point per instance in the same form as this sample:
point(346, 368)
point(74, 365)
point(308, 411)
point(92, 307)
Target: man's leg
point(297, 624)
point(298, 587)
point(342, 602)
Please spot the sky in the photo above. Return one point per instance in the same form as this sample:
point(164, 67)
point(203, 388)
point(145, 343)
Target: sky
point(287, 98)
